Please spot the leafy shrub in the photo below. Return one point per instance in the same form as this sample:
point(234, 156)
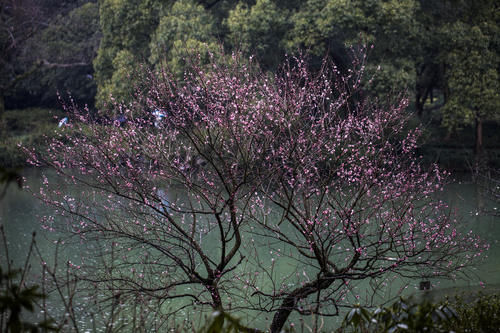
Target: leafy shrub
point(401, 316)
point(457, 315)
point(479, 315)
point(18, 296)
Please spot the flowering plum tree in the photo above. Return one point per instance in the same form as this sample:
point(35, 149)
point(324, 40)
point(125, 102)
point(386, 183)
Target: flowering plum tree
point(256, 193)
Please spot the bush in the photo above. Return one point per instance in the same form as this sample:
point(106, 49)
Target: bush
point(401, 316)
point(480, 315)
point(18, 296)
point(458, 315)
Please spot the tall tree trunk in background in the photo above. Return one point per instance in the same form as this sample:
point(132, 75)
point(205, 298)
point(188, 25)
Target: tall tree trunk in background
point(479, 157)
point(2, 104)
point(480, 166)
point(3, 127)
point(479, 149)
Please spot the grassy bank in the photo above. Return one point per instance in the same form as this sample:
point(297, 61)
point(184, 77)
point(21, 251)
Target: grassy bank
point(29, 127)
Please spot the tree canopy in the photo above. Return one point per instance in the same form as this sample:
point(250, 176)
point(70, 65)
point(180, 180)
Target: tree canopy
point(295, 169)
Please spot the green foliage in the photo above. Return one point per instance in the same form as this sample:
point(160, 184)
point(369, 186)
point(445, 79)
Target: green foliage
point(401, 316)
point(121, 84)
point(473, 79)
point(460, 59)
point(448, 48)
point(185, 29)
point(316, 26)
point(460, 315)
point(479, 315)
point(50, 48)
point(332, 26)
point(391, 78)
point(14, 297)
point(152, 33)
point(126, 27)
point(127, 24)
point(71, 38)
point(17, 295)
point(221, 322)
point(259, 30)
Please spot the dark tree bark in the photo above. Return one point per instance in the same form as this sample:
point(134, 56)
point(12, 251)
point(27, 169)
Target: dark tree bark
point(478, 147)
point(290, 302)
point(480, 159)
point(2, 104)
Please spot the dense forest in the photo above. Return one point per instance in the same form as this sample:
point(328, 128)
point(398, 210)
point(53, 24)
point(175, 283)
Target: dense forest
point(445, 55)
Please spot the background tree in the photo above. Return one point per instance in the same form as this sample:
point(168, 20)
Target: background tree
point(430, 80)
point(18, 22)
point(184, 29)
point(471, 57)
point(292, 170)
point(126, 27)
point(265, 28)
point(65, 48)
point(259, 30)
point(331, 26)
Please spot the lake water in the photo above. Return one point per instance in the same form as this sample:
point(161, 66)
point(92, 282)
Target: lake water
point(20, 213)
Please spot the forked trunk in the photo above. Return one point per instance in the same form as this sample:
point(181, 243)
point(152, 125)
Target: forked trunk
point(290, 302)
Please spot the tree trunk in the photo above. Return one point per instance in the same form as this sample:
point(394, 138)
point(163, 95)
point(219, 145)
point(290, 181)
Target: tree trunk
point(290, 302)
point(478, 150)
point(2, 105)
point(216, 299)
point(419, 104)
point(3, 126)
point(479, 156)
point(479, 147)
